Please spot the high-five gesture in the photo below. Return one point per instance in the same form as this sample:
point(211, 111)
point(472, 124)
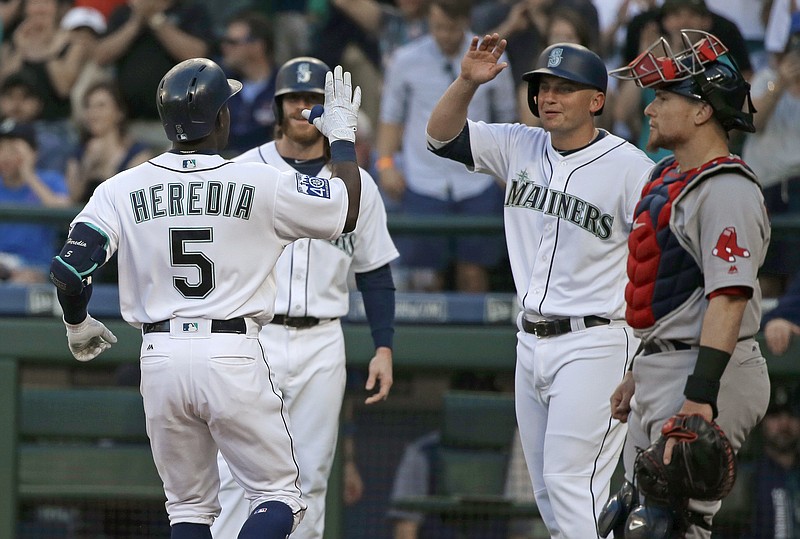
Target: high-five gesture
point(338, 118)
point(480, 63)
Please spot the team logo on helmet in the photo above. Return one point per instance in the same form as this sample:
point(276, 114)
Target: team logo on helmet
point(303, 72)
point(556, 55)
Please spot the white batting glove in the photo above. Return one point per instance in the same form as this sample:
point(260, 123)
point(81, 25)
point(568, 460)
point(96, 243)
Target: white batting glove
point(88, 339)
point(338, 118)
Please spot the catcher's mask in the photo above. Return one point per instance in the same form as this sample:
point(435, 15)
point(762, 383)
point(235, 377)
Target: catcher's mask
point(702, 70)
point(304, 74)
point(190, 96)
point(616, 510)
point(568, 61)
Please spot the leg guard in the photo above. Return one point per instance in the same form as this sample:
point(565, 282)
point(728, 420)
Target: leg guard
point(270, 520)
point(616, 510)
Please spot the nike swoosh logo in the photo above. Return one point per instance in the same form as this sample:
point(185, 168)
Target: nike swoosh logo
point(637, 225)
point(635, 525)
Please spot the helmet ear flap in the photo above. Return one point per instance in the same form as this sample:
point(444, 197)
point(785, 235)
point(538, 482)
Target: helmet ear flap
point(533, 92)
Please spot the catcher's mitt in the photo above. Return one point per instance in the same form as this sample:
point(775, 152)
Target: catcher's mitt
point(703, 465)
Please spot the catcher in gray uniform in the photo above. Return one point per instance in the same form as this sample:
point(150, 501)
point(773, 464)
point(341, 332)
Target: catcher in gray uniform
point(699, 384)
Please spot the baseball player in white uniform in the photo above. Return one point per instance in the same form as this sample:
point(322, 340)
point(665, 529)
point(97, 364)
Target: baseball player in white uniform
point(701, 233)
point(570, 194)
point(198, 237)
point(304, 342)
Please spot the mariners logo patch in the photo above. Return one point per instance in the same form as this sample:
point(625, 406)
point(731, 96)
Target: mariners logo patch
point(728, 248)
point(303, 72)
point(313, 186)
point(554, 60)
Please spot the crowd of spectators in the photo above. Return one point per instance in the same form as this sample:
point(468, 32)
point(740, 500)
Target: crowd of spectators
point(82, 74)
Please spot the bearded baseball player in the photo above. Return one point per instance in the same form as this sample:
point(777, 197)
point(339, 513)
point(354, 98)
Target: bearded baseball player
point(304, 341)
point(198, 238)
point(569, 199)
point(700, 234)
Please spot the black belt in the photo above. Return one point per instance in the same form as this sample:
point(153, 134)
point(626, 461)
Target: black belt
point(298, 322)
point(234, 325)
point(670, 345)
point(551, 328)
point(664, 345)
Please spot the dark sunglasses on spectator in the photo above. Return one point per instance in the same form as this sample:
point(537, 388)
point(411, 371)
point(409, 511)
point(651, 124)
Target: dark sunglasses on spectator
point(242, 41)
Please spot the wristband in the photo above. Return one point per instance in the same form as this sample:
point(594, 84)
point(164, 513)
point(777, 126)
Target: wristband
point(384, 163)
point(703, 384)
point(342, 151)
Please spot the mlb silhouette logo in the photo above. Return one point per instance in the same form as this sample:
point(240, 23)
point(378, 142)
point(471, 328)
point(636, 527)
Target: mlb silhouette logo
point(189, 163)
point(190, 327)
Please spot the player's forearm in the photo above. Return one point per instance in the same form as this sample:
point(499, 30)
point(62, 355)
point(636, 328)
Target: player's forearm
point(378, 292)
point(718, 339)
point(450, 113)
point(722, 321)
point(343, 165)
point(75, 308)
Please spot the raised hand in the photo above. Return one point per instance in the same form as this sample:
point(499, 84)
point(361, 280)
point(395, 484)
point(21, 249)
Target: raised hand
point(480, 63)
point(337, 120)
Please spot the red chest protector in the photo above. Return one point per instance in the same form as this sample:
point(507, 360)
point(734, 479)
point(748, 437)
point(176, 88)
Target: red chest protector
point(662, 275)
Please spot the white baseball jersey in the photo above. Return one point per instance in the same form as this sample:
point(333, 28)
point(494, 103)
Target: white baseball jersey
point(567, 220)
point(196, 226)
point(567, 217)
point(308, 364)
point(312, 274)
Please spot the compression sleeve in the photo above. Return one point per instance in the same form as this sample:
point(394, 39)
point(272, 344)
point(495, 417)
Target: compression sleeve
point(75, 306)
point(377, 291)
point(458, 149)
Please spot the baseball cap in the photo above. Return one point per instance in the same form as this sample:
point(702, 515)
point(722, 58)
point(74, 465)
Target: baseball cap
point(24, 131)
point(20, 79)
point(783, 398)
point(84, 17)
point(673, 5)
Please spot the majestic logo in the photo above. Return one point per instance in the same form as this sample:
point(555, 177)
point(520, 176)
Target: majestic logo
point(303, 72)
point(556, 55)
point(727, 247)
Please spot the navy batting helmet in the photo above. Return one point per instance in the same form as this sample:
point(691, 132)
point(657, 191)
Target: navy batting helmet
point(568, 61)
point(302, 74)
point(190, 97)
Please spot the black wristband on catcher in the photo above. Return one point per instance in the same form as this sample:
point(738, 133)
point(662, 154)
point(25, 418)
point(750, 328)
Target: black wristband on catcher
point(703, 384)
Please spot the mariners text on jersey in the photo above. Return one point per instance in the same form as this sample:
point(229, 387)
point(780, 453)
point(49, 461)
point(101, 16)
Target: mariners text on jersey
point(523, 193)
point(193, 198)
